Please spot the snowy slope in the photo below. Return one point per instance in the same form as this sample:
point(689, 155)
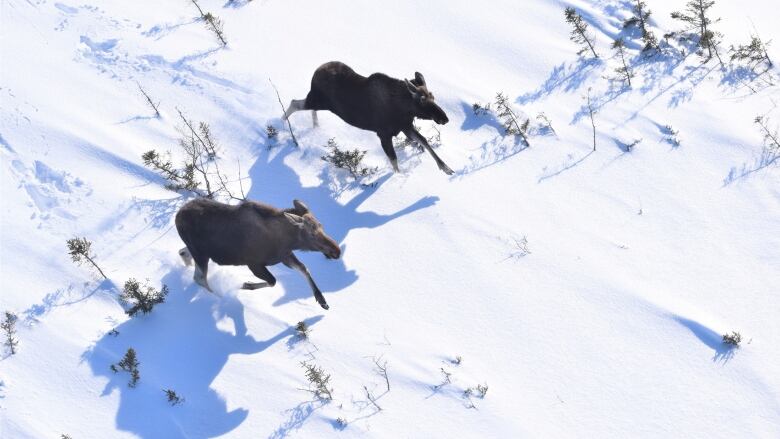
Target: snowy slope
point(610, 327)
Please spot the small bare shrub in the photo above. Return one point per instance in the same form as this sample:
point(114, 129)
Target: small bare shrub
point(591, 112)
point(546, 125)
point(199, 172)
point(446, 379)
point(381, 370)
point(155, 106)
point(771, 139)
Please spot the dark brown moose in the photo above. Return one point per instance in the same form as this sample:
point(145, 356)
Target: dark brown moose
point(378, 103)
point(251, 234)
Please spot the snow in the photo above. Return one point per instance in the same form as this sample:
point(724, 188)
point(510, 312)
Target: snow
point(610, 326)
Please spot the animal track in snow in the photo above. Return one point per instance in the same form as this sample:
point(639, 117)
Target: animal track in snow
point(51, 192)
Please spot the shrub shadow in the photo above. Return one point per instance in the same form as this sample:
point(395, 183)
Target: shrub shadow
point(569, 77)
point(712, 339)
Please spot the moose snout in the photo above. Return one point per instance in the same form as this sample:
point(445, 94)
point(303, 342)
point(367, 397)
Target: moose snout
point(333, 253)
point(331, 249)
point(442, 119)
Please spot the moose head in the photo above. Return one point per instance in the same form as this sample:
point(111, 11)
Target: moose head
point(424, 105)
point(312, 235)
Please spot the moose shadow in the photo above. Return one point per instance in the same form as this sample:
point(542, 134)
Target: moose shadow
point(179, 347)
point(276, 183)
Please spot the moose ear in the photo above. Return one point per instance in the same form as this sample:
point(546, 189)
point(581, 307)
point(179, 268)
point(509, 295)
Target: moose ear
point(294, 219)
point(419, 79)
point(412, 88)
point(299, 206)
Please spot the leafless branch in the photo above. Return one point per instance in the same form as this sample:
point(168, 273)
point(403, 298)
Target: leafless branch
point(289, 125)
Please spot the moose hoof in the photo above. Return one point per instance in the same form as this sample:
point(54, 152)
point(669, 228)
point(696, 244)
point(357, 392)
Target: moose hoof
point(446, 169)
point(324, 306)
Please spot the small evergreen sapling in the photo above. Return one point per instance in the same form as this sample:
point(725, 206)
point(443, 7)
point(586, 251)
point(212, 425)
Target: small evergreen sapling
point(8, 326)
point(319, 381)
point(752, 55)
point(302, 330)
point(446, 379)
point(482, 390)
point(579, 33)
point(624, 72)
point(80, 250)
point(271, 132)
point(733, 339)
point(349, 160)
point(212, 22)
point(672, 135)
point(141, 298)
point(512, 126)
point(173, 398)
point(177, 179)
point(129, 364)
point(640, 19)
point(481, 109)
point(696, 16)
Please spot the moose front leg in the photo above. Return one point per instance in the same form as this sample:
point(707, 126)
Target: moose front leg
point(293, 262)
point(417, 137)
point(262, 272)
point(387, 145)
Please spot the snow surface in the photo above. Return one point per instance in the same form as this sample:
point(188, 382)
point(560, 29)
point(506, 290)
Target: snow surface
point(610, 327)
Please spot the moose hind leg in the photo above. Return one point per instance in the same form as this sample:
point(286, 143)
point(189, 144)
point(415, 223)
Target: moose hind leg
point(186, 256)
point(314, 120)
point(262, 272)
point(295, 105)
point(293, 262)
point(201, 274)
